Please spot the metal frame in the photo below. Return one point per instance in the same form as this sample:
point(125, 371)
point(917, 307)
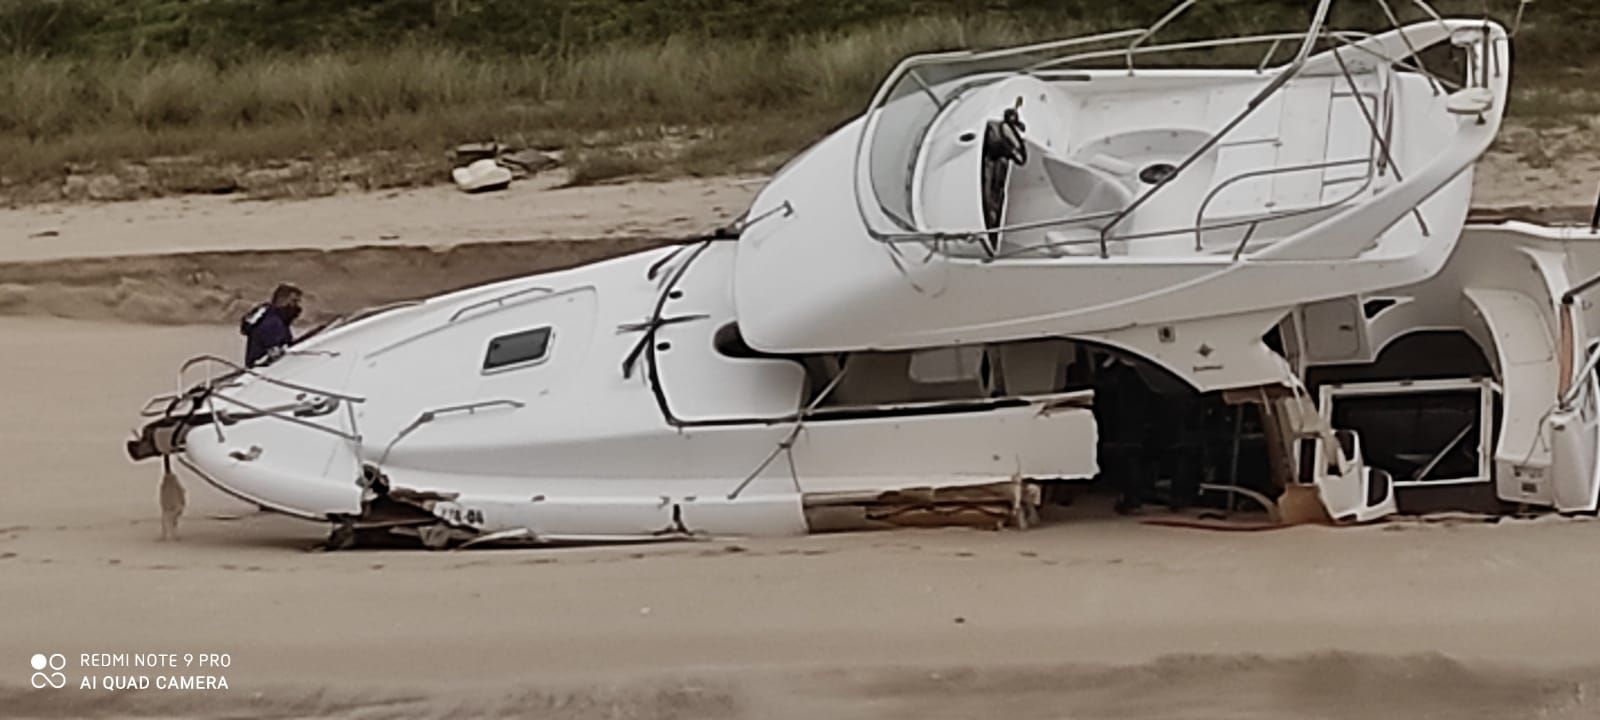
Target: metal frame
point(1200, 214)
point(880, 98)
point(210, 391)
point(1567, 391)
point(363, 314)
point(1047, 69)
point(1485, 387)
point(500, 303)
point(908, 66)
point(499, 300)
point(1578, 386)
point(237, 368)
point(1200, 228)
point(1277, 83)
point(1171, 15)
point(428, 416)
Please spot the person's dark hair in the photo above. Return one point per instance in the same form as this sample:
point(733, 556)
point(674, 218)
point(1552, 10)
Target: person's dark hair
point(283, 292)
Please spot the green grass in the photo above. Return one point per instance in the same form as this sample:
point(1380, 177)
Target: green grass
point(721, 108)
point(176, 118)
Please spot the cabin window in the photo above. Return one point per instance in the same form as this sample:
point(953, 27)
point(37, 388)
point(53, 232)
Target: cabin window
point(520, 349)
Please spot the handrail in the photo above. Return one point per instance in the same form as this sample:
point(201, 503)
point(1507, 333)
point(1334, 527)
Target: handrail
point(906, 66)
point(1153, 29)
point(1043, 71)
point(369, 312)
point(1577, 387)
point(1377, 134)
point(1423, 4)
point(1038, 70)
point(159, 406)
point(1278, 38)
point(1150, 235)
point(1567, 342)
point(473, 407)
point(499, 300)
point(278, 414)
point(428, 416)
point(1277, 83)
point(1199, 229)
point(1381, 141)
point(1256, 220)
point(1046, 69)
point(198, 359)
point(1267, 58)
point(212, 392)
point(1594, 221)
point(1516, 27)
point(1394, 22)
point(166, 399)
point(1366, 183)
point(1199, 216)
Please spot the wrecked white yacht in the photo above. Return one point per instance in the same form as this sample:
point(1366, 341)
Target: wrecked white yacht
point(906, 325)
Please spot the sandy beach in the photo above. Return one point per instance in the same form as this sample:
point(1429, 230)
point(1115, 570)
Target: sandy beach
point(1474, 620)
point(1087, 616)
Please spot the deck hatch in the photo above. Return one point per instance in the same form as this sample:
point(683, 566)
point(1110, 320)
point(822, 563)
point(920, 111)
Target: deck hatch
point(518, 349)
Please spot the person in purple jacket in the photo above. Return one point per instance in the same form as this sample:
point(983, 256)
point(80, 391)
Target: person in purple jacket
point(268, 327)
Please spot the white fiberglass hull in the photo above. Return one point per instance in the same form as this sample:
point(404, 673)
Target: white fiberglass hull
point(687, 440)
point(1276, 207)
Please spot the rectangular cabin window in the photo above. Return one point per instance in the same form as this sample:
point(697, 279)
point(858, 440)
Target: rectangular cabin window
point(520, 349)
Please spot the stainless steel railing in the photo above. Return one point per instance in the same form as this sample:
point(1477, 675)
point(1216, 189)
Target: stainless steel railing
point(1137, 46)
point(1277, 83)
point(240, 369)
point(211, 391)
point(1171, 15)
point(1044, 70)
point(428, 416)
point(1199, 217)
point(500, 300)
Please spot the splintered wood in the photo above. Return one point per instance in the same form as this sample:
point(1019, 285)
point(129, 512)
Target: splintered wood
point(991, 506)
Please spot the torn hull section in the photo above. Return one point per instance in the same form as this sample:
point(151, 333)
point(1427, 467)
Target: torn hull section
point(439, 522)
point(993, 505)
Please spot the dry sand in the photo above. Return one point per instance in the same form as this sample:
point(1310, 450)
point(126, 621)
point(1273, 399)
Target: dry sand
point(1087, 617)
point(435, 216)
point(206, 259)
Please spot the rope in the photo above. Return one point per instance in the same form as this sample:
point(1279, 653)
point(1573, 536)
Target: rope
point(649, 328)
point(786, 445)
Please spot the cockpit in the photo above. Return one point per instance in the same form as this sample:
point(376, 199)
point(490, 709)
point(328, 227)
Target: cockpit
point(1042, 152)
